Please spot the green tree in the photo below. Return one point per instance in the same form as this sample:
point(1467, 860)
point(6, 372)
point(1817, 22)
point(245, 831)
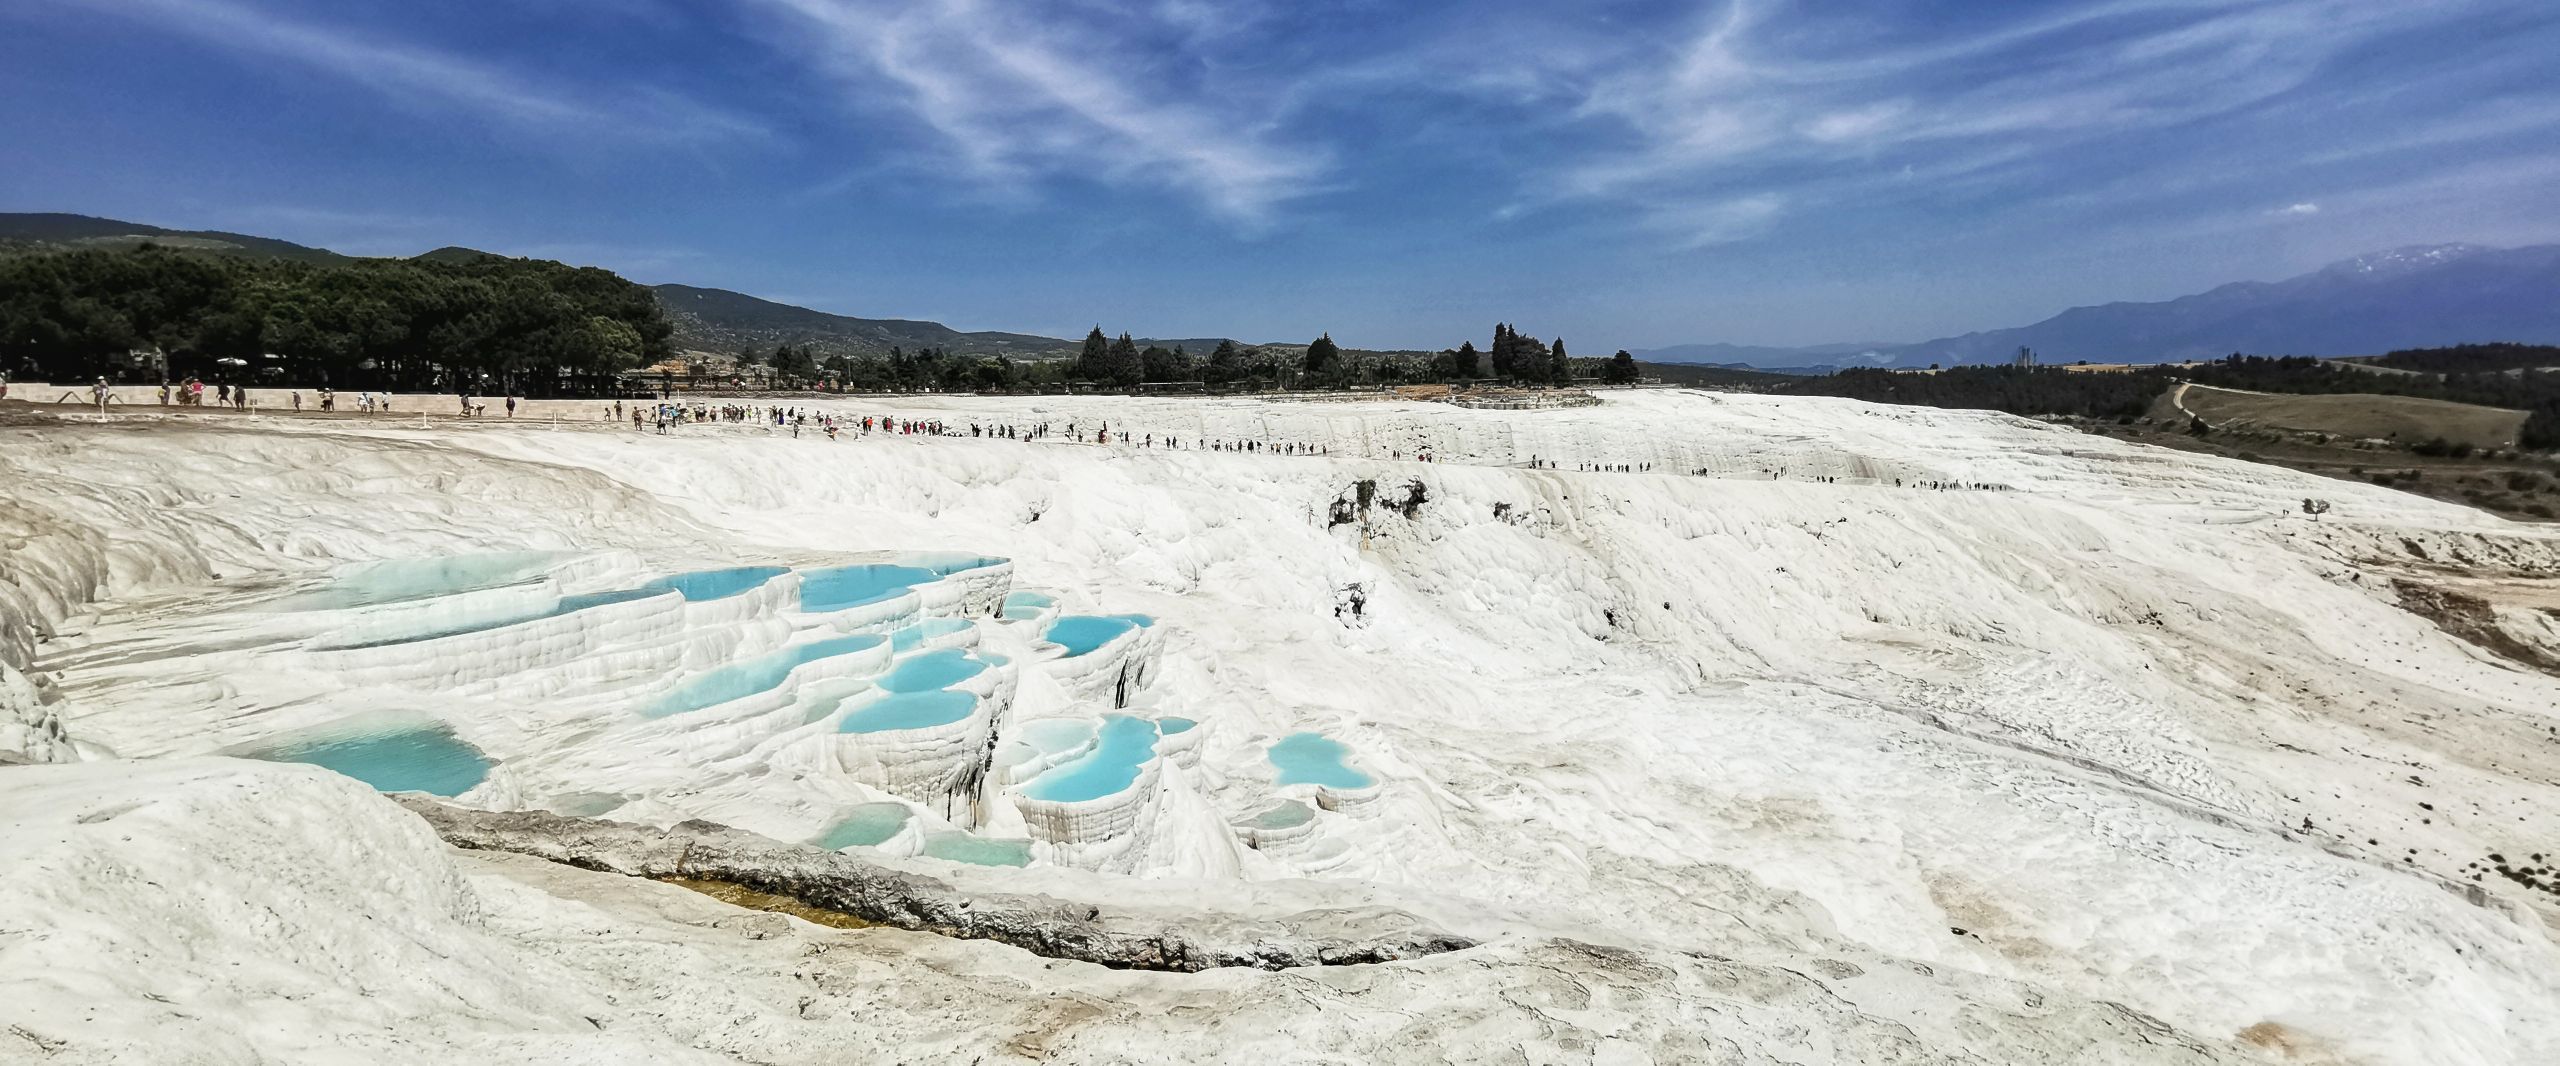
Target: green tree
point(1122, 365)
point(1622, 369)
point(1163, 365)
point(1559, 368)
point(1225, 365)
point(1092, 363)
point(1324, 360)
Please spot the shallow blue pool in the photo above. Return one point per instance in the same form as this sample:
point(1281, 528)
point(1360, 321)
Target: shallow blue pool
point(837, 588)
point(1289, 814)
point(915, 635)
point(567, 605)
point(742, 679)
point(1123, 747)
point(1314, 759)
point(1080, 634)
point(867, 826)
point(1171, 726)
point(932, 670)
point(1025, 604)
point(701, 585)
point(399, 580)
point(910, 710)
point(426, 759)
point(961, 847)
point(945, 564)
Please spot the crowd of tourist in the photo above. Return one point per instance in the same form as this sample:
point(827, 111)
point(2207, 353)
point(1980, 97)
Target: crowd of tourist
point(664, 417)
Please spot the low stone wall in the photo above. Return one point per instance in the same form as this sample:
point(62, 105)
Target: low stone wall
point(879, 895)
point(1526, 401)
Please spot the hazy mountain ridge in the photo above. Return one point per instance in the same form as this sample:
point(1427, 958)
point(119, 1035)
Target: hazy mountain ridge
point(85, 231)
point(719, 320)
point(2415, 297)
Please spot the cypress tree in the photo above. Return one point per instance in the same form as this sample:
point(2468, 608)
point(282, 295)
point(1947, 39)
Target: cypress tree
point(1091, 364)
point(1123, 366)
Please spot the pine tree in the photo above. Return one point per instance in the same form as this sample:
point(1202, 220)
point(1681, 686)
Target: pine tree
point(1162, 365)
point(1622, 368)
point(1470, 361)
point(1225, 364)
point(1091, 364)
point(1122, 366)
point(1559, 369)
point(1324, 360)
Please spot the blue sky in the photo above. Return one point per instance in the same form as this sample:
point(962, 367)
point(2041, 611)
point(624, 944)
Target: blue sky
point(1402, 175)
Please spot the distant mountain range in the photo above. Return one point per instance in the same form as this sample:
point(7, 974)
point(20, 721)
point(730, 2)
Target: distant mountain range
point(718, 320)
point(2414, 297)
point(2425, 296)
point(83, 231)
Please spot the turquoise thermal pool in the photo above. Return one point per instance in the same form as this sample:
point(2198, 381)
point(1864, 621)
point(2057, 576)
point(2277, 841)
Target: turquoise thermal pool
point(961, 847)
point(1288, 814)
point(866, 826)
point(1313, 759)
point(1080, 634)
point(702, 585)
point(1025, 604)
point(760, 674)
point(837, 588)
point(920, 694)
point(401, 580)
point(567, 605)
point(910, 710)
point(1120, 750)
point(932, 670)
point(945, 564)
point(426, 759)
point(916, 635)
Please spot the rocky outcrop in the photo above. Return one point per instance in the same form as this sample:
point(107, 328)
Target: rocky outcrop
point(880, 895)
point(30, 731)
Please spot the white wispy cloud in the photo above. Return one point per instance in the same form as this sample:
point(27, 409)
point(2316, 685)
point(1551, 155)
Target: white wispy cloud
point(1759, 99)
point(2304, 208)
point(1019, 93)
point(429, 77)
point(1699, 224)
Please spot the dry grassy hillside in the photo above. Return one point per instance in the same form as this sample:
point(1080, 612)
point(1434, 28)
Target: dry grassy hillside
point(2358, 415)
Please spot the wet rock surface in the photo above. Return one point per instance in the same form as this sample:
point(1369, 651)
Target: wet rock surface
point(879, 895)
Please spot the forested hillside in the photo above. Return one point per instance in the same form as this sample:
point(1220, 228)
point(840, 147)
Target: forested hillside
point(481, 323)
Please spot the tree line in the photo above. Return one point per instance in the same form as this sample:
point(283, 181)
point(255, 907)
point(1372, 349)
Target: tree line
point(1515, 358)
point(472, 322)
point(450, 322)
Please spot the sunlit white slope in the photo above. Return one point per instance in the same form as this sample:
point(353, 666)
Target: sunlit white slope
point(2122, 724)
